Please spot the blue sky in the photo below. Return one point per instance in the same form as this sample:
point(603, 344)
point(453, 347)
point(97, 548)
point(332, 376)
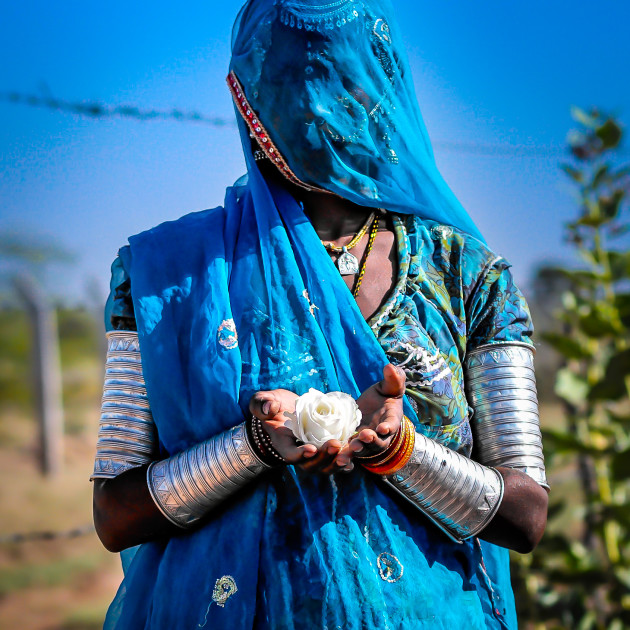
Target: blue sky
point(486, 73)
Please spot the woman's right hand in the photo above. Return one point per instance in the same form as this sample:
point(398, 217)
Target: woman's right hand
point(270, 407)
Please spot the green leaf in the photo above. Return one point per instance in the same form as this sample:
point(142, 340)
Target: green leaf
point(620, 468)
point(618, 418)
point(593, 219)
point(610, 205)
point(571, 387)
point(567, 346)
point(622, 303)
point(582, 117)
point(619, 512)
point(600, 175)
point(575, 174)
point(562, 442)
point(609, 133)
point(619, 264)
point(583, 277)
point(613, 385)
point(602, 320)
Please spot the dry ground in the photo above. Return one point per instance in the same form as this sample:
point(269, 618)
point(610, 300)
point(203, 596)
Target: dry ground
point(52, 584)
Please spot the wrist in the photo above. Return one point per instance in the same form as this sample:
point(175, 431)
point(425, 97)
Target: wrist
point(261, 443)
point(186, 486)
point(396, 455)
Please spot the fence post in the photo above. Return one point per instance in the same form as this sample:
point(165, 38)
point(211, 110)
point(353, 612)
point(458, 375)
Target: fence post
point(46, 372)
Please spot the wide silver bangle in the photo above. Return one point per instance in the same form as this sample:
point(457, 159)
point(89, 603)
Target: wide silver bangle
point(127, 435)
point(186, 486)
point(459, 495)
point(501, 388)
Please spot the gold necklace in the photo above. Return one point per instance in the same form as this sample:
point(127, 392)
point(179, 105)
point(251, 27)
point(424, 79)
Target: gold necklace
point(348, 263)
point(368, 249)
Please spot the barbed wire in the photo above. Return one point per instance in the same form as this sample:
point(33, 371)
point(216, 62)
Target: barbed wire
point(21, 537)
point(96, 110)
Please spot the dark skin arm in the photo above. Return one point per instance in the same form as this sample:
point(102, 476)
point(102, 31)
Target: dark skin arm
point(522, 516)
point(124, 512)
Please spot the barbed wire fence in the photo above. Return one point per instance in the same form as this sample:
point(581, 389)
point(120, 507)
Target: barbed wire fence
point(22, 537)
point(97, 110)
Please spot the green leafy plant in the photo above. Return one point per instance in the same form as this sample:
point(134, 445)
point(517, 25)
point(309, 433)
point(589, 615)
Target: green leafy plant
point(579, 577)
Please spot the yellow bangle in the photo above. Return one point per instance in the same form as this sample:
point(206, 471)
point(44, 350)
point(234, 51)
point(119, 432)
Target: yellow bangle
point(398, 454)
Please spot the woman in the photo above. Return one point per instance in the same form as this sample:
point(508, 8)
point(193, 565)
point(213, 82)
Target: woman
point(342, 263)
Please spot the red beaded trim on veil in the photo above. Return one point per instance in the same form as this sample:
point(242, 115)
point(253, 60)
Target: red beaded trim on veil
point(262, 137)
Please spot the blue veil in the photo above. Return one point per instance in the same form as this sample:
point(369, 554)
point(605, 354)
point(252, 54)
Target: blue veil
point(329, 86)
point(244, 298)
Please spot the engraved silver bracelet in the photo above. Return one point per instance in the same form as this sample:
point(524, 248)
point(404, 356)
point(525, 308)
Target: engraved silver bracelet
point(127, 436)
point(186, 486)
point(459, 495)
point(501, 388)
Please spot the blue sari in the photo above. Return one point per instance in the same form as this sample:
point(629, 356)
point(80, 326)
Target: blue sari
point(245, 298)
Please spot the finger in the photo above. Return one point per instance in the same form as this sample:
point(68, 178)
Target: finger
point(264, 405)
point(344, 456)
point(369, 443)
point(301, 453)
point(367, 436)
point(324, 458)
point(342, 464)
point(393, 383)
point(386, 428)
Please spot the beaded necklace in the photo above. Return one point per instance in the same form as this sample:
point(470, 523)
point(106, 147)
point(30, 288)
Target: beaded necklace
point(368, 249)
point(348, 263)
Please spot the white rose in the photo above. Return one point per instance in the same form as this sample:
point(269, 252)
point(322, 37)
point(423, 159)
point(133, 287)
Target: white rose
point(321, 417)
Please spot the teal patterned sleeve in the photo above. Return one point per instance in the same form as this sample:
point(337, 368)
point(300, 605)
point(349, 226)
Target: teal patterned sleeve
point(119, 313)
point(497, 310)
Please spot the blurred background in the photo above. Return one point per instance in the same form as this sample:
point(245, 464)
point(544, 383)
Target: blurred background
point(116, 117)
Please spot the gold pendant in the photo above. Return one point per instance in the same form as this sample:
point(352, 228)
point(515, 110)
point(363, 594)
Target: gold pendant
point(347, 263)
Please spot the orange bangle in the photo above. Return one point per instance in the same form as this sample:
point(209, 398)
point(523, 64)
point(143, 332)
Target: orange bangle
point(400, 455)
point(395, 456)
point(404, 458)
point(388, 453)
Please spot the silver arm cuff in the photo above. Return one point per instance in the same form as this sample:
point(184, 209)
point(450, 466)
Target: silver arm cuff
point(186, 486)
point(501, 388)
point(459, 495)
point(127, 436)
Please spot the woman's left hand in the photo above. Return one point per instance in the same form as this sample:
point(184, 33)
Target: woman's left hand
point(382, 408)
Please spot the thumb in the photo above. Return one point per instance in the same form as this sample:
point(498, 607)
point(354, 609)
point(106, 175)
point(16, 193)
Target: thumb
point(393, 383)
point(264, 405)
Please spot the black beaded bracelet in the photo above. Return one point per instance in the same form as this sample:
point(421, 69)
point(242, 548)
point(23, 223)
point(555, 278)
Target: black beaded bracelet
point(261, 443)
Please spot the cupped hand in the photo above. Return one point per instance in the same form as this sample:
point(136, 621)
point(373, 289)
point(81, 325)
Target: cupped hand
point(382, 408)
point(270, 407)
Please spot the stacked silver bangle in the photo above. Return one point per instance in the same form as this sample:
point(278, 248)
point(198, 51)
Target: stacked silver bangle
point(501, 388)
point(127, 436)
point(459, 495)
point(186, 486)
